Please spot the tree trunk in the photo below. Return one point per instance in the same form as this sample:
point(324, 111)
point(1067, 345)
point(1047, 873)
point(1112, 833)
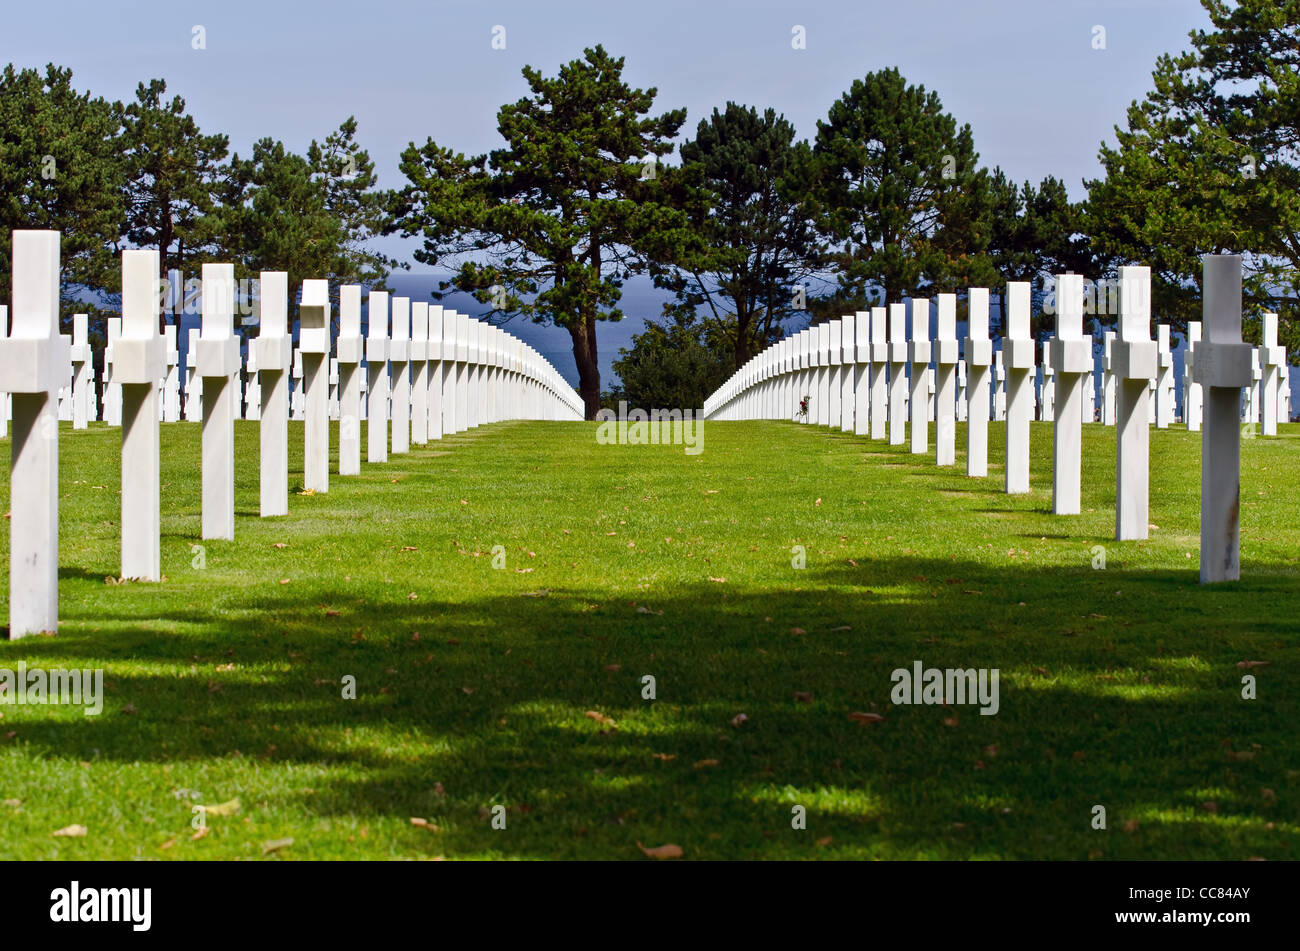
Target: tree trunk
point(583, 332)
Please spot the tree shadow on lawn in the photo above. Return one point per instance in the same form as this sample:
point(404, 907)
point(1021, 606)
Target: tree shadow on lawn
point(1128, 701)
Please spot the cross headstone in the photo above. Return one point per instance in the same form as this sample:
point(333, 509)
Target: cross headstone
point(81, 367)
point(897, 374)
point(834, 359)
point(1108, 381)
point(139, 362)
point(33, 362)
point(1191, 389)
point(399, 360)
point(437, 371)
point(377, 364)
point(1018, 359)
point(979, 358)
point(1223, 368)
point(193, 385)
point(218, 362)
point(918, 355)
point(171, 396)
point(273, 349)
point(112, 389)
point(1272, 360)
point(878, 405)
point(945, 373)
point(419, 371)
point(350, 351)
point(961, 391)
point(463, 370)
point(821, 346)
point(314, 321)
point(1134, 358)
point(1164, 377)
point(1071, 359)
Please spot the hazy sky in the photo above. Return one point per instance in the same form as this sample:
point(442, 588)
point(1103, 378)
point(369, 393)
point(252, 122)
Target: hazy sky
point(1023, 73)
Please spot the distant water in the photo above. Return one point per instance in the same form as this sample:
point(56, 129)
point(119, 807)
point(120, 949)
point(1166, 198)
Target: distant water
point(641, 300)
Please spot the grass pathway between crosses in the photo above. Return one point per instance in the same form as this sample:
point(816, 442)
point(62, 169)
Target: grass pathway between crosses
point(479, 686)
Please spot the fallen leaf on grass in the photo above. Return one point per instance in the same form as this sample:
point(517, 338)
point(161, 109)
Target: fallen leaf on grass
point(642, 609)
point(797, 630)
point(865, 719)
point(168, 844)
point(1246, 664)
point(823, 842)
point(665, 757)
point(705, 762)
point(276, 845)
point(614, 668)
point(72, 832)
point(423, 823)
point(223, 809)
point(201, 834)
point(949, 721)
point(739, 720)
point(668, 851)
point(279, 545)
point(307, 492)
point(802, 697)
point(718, 580)
point(600, 718)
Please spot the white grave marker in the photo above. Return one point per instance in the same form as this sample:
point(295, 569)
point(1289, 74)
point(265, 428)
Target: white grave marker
point(1071, 359)
point(1223, 368)
point(33, 362)
point(314, 343)
point(139, 361)
point(377, 362)
point(1018, 359)
point(1134, 357)
point(979, 357)
point(217, 364)
point(945, 371)
point(273, 349)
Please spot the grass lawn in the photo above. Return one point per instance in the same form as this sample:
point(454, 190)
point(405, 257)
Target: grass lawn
point(479, 686)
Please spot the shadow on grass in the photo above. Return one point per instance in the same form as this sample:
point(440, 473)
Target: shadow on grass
point(1128, 699)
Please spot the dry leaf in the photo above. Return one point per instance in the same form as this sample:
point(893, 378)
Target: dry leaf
point(600, 718)
point(739, 719)
point(823, 842)
point(201, 834)
point(949, 721)
point(71, 832)
point(801, 697)
point(1246, 664)
point(276, 845)
point(865, 719)
point(168, 844)
point(797, 630)
point(665, 757)
point(423, 823)
point(668, 851)
point(705, 762)
point(223, 809)
point(615, 668)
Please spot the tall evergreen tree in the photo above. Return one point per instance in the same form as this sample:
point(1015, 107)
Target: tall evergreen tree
point(901, 193)
point(1208, 164)
point(173, 172)
point(744, 181)
point(60, 169)
point(551, 226)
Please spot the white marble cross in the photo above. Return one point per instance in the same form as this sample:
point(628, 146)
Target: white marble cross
point(33, 363)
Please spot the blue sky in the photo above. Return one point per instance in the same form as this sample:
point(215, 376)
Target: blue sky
point(1023, 73)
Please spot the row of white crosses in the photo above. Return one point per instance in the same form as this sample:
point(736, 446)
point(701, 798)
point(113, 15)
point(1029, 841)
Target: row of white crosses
point(864, 358)
point(493, 378)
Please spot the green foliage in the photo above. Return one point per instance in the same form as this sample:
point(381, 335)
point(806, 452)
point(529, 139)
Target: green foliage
point(60, 169)
point(673, 364)
point(1208, 164)
point(743, 182)
point(309, 216)
point(550, 226)
point(173, 175)
point(899, 189)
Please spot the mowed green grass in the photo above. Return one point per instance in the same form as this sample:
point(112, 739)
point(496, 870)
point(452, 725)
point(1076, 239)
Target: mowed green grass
point(476, 685)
